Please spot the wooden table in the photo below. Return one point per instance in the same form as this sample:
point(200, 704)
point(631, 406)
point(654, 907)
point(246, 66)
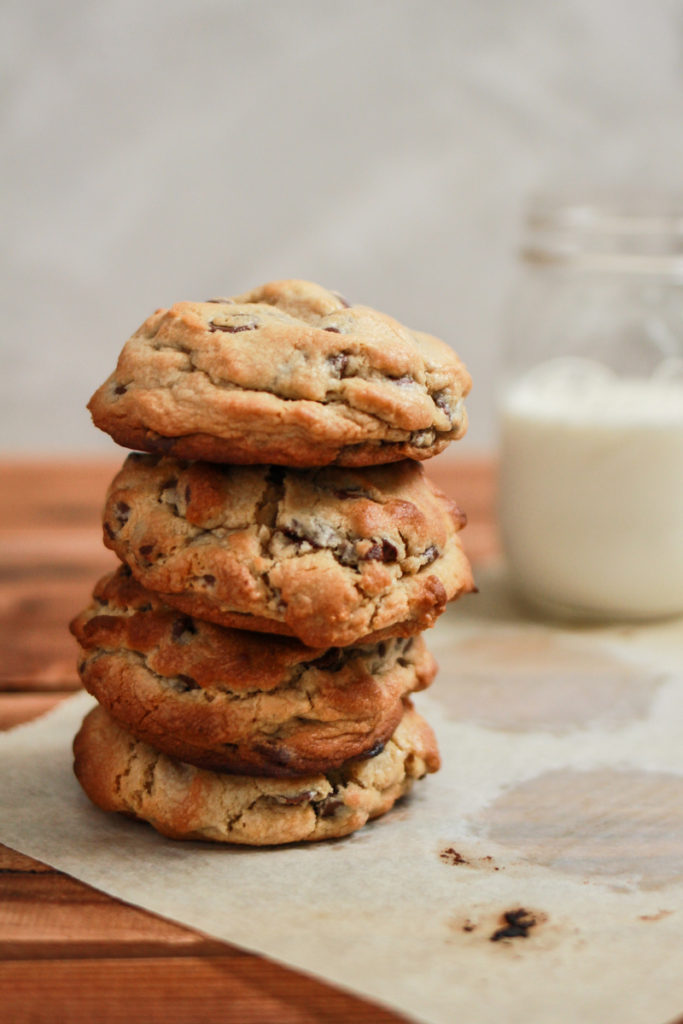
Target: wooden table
point(69, 953)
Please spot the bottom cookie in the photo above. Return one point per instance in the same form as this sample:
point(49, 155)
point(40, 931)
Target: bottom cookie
point(121, 774)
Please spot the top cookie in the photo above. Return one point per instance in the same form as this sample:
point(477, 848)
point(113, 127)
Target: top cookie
point(288, 374)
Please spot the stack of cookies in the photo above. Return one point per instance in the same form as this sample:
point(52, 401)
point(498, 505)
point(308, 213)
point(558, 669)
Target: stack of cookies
point(254, 655)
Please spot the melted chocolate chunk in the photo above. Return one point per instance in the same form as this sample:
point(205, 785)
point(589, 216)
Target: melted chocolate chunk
point(333, 660)
point(188, 683)
point(429, 555)
point(232, 328)
point(374, 750)
point(518, 923)
point(183, 627)
point(298, 798)
point(120, 389)
point(338, 364)
point(328, 807)
point(384, 552)
point(122, 512)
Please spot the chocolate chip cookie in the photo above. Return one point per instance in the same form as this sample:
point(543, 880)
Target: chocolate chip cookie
point(181, 801)
point(332, 556)
point(288, 374)
point(221, 699)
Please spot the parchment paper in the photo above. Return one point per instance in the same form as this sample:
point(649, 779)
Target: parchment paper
point(561, 794)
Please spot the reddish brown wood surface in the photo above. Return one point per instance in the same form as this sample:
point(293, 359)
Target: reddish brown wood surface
point(68, 953)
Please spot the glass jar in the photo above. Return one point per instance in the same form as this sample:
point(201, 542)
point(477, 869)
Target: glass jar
point(591, 411)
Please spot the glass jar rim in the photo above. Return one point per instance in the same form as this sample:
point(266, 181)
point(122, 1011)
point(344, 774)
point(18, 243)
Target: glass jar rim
point(616, 213)
point(618, 232)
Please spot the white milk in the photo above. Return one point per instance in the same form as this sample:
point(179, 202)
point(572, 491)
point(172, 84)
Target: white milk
point(591, 490)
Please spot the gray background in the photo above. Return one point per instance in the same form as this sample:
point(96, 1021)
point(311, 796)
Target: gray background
point(160, 151)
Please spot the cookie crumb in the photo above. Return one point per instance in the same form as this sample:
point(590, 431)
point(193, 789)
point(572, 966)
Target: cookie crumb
point(451, 856)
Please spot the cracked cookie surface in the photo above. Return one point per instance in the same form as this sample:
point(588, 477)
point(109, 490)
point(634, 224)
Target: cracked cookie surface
point(288, 374)
point(332, 556)
point(221, 699)
point(119, 773)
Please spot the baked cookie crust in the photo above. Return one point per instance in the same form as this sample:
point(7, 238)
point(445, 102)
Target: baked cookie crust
point(332, 556)
point(221, 699)
point(286, 374)
point(119, 773)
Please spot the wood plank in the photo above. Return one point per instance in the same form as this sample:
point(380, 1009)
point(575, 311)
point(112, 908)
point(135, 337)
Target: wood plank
point(44, 915)
point(39, 653)
point(71, 953)
point(16, 708)
point(184, 991)
point(54, 493)
point(11, 860)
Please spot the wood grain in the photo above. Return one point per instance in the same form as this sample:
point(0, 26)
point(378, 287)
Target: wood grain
point(67, 952)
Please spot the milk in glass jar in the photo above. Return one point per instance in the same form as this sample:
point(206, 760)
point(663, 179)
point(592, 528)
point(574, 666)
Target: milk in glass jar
point(591, 411)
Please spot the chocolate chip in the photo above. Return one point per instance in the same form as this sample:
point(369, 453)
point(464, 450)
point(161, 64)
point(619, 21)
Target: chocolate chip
point(122, 512)
point(120, 389)
point(338, 364)
point(146, 549)
point(188, 683)
point(298, 798)
point(232, 328)
point(328, 807)
point(429, 555)
point(332, 660)
point(108, 530)
point(374, 750)
point(384, 552)
point(381, 649)
point(208, 578)
point(183, 627)
point(332, 330)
